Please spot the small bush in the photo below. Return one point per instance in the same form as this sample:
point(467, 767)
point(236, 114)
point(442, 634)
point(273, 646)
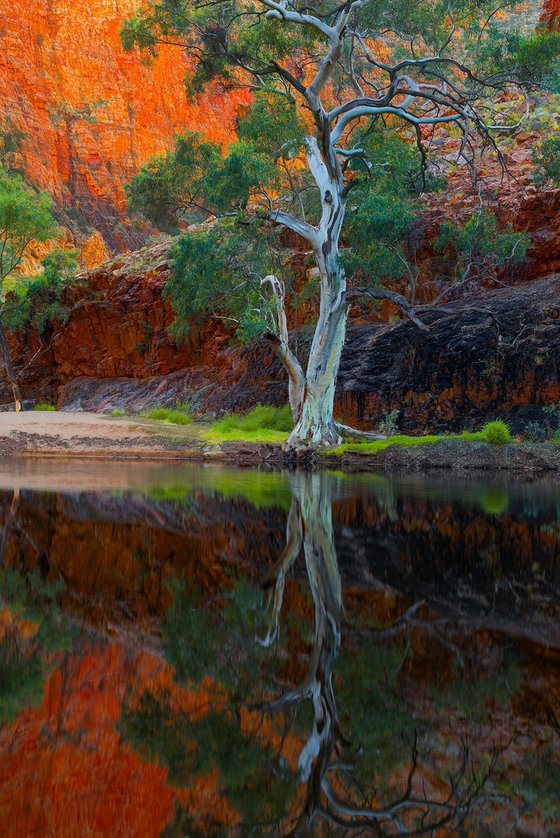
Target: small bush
point(44, 406)
point(535, 432)
point(179, 415)
point(118, 411)
point(552, 412)
point(388, 425)
point(261, 417)
point(496, 433)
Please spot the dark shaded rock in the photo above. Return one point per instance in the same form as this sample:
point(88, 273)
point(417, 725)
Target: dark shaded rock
point(461, 455)
point(497, 357)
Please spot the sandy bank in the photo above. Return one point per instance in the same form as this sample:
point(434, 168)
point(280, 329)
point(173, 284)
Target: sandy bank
point(87, 435)
point(38, 433)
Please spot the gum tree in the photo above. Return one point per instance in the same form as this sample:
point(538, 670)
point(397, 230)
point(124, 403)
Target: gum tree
point(328, 80)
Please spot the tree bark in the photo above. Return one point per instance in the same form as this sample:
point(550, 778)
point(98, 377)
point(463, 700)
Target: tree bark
point(316, 425)
point(8, 366)
point(296, 379)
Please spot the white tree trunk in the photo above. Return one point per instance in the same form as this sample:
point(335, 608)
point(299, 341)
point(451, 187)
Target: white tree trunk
point(315, 425)
point(312, 395)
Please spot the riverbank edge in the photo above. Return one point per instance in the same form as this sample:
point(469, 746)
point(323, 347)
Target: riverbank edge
point(446, 455)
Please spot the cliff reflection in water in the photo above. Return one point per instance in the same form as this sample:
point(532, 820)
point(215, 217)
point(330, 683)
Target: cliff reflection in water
point(211, 651)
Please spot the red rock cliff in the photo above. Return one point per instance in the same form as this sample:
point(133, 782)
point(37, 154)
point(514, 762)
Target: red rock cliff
point(91, 112)
point(551, 12)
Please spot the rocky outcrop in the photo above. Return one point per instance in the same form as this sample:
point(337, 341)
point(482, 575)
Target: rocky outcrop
point(117, 325)
point(115, 350)
point(496, 355)
point(90, 112)
point(551, 12)
point(499, 356)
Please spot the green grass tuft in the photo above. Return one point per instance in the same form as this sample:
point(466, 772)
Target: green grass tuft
point(178, 415)
point(496, 433)
point(261, 417)
point(118, 411)
point(261, 424)
point(374, 446)
point(44, 406)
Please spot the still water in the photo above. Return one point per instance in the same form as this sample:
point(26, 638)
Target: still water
point(190, 650)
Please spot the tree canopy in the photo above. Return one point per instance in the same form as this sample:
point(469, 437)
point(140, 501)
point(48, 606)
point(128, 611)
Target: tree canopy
point(336, 147)
point(25, 216)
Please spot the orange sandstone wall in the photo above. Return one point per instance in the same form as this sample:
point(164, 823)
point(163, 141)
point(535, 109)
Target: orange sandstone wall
point(551, 12)
point(92, 112)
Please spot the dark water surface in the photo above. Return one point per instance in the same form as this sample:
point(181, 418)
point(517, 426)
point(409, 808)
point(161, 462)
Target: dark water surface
point(190, 650)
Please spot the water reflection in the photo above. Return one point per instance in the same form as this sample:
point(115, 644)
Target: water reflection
point(243, 652)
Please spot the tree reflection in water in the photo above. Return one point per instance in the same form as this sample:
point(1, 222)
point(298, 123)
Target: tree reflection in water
point(248, 722)
point(327, 753)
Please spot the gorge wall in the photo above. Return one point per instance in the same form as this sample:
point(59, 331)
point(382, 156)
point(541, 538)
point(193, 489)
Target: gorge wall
point(497, 354)
point(91, 114)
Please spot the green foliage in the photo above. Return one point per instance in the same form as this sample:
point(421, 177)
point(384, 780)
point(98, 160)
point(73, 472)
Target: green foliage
point(179, 415)
point(388, 424)
point(380, 444)
point(262, 489)
point(188, 634)
point(195, 642)
point(217, 270)
point(261, 417)
point(21, 677)
point(36, 301)
point(373, 716)
point(496, 433)
point(117, 411)
point(44, 406)
point(11, 141)
point(262, 424)
point(195, 180)
point(171, 184)
point(195, 744)
point(473, 694)
point(273, 127)
point(25, 216)
point(534, 431)
point(531, 58)
point(541, 781)
point(547, 158)
point(264, 172)
point(200, 641)
point(494, 501)
point(478, 245)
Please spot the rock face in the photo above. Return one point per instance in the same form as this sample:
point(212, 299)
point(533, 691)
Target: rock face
point(551, 12)
point(92, 113)
point(115, 350)
point(497, 356)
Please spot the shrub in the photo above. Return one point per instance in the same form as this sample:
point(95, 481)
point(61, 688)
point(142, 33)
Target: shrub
point(118, 411)
point(552, 412)
point(179, 415)
point(44, 406)
point(388, 425)
point(261, 417)
point(496, 433)
point(535, 432)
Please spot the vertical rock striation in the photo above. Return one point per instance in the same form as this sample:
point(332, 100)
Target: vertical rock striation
point(92, 113)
